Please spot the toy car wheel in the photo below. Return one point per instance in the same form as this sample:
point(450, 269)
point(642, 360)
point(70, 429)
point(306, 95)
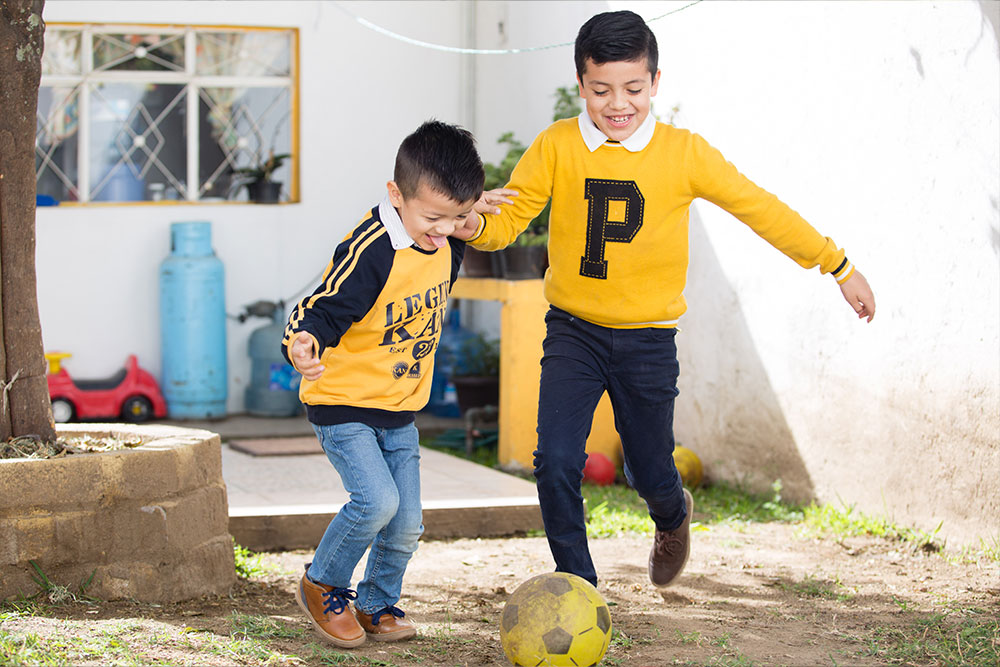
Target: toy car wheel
point(137, 409)
point(62, 411)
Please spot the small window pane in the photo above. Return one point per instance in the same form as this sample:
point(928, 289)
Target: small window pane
point(259, 53)
point(245, 125)
point(138, 142)
point(147, 51)
point(56, 142)
point(62, 52)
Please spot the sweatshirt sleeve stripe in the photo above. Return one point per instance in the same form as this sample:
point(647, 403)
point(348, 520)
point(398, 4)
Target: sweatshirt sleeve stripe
point(843, 272)
point(336, 277)
point(337, 271)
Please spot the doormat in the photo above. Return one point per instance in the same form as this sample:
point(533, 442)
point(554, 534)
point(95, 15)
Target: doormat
point(277, 446)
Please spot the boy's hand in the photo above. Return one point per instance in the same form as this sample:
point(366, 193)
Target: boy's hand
point(857, 292)
point(304, 358)
point(487, 203)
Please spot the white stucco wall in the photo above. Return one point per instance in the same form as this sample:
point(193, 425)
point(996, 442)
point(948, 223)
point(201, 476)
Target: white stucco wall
point(361, 93)
point(877, 121)
point(516, 92)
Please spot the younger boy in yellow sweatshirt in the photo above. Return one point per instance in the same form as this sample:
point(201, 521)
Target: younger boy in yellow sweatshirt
point(364, 342)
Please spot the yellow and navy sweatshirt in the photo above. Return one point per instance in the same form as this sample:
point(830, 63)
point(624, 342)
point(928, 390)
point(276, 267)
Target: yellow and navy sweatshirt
point(375, 321)
point(618, 228)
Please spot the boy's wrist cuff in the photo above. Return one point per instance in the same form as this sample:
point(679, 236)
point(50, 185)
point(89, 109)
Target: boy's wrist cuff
point(479, 229)
point(843, 272)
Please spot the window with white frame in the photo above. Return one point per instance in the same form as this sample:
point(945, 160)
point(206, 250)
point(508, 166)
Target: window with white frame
point(132, 113)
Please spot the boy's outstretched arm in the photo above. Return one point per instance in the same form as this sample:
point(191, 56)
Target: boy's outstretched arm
point(488, 203)
point(302, 354)
point(857, 292)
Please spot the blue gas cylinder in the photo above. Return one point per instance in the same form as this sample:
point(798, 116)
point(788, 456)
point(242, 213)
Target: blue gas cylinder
point(443, 401)
point(274, 385)
point(193, 325)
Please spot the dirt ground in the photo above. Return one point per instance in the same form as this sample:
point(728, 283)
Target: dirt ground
point(751, 594)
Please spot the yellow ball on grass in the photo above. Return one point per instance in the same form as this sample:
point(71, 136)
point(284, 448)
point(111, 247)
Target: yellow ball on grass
point(688, 465)
point(555, 619)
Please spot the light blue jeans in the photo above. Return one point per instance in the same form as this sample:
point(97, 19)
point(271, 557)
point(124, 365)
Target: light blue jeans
point(380, 469)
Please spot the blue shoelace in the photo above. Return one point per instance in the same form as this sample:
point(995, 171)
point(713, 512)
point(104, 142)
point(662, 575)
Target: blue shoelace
point(337, 598)
point(391, 609)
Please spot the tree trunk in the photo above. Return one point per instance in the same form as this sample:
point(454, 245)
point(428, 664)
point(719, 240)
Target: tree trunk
point(24, 394)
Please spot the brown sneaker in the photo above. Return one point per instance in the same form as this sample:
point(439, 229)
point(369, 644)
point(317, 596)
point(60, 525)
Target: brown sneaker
point(329, 610)
point(387, 625)
point(671, 549)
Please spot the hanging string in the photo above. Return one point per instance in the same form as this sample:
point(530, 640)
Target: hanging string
point(5, 388)
point(481, 52)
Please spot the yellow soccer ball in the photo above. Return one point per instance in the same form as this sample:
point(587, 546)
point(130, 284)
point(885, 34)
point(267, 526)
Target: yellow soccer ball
point(555, 619)
point(688, 465)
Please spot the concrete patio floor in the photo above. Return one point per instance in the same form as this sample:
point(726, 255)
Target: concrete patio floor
point(286, 501)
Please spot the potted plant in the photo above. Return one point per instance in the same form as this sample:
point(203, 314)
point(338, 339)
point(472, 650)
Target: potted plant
point(527, 256)
point(476, 373)
point(257, 179)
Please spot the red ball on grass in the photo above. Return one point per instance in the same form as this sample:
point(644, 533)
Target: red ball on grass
point(599, 469)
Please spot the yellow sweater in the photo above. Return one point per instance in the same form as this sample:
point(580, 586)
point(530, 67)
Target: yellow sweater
point(375, 321)
point(618, 229)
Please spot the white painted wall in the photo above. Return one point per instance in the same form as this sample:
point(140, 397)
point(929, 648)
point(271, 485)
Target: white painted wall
point(361, 93)
point(515, 92)
point(878, 121)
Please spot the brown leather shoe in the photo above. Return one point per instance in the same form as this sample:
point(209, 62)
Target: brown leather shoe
point(671, 549)
point(329, 610)
point(387, 625)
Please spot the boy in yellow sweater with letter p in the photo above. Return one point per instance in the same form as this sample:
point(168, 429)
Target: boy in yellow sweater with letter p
point(621, 184)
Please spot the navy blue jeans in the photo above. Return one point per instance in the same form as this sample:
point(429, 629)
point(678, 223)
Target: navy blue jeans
point(638, 368)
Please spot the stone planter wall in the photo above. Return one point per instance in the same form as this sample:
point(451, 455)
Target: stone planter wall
point(152, 521)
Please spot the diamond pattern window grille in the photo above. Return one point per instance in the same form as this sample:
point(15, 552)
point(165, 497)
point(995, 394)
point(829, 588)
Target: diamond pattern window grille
point(138, 114)
point(136, 51)
point(55, 142)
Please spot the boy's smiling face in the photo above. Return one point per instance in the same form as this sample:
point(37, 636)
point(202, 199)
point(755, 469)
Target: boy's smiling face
point(429, 216)
point(617, 94)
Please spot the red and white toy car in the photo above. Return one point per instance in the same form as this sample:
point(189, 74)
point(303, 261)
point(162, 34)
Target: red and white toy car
point(131, 394)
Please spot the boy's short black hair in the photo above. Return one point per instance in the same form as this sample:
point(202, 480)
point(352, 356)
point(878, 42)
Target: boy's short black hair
point(443, 157)
point(615, 36)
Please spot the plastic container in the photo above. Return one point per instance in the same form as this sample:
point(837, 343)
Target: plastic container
point(274, 385)
point(193, 325)
point(444, 400)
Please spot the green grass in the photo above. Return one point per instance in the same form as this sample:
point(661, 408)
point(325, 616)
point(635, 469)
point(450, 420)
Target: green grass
point(811, 587)
point(28, 649)
point(987, 550)
point(726, 503)
point(109, 645)
point(55, 594)
point(250, 565)
point(249, 626)
point(617, 509)
point(844, 521)
point(321, 655)
point(956, 637)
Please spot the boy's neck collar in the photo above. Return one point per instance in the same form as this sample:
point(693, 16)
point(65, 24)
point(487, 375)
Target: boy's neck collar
point(393, 224)
point(594, 138)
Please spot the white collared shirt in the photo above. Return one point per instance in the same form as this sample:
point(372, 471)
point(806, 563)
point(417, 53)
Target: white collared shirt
point(393, 224)
point(594, 138)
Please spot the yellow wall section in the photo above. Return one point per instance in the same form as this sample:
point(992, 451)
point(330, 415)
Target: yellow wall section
point(522, 328)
